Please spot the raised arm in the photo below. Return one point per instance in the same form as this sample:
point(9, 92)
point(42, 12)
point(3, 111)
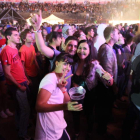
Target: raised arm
point(36, 21)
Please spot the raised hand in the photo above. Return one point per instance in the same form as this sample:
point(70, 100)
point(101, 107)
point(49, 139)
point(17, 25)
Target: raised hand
point(108, 78)
point(36, 19)
point(22, 88)
point(63, 80)
point(106, 75)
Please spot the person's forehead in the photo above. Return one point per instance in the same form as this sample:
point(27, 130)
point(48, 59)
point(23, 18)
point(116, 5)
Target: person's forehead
point(73, 42)
point(29, 34)
point(15, 32)
point(84, 44)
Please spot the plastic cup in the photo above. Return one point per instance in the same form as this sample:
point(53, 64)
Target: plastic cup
point(77, 94)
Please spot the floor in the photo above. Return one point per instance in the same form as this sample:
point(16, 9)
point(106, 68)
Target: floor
point(8, 130)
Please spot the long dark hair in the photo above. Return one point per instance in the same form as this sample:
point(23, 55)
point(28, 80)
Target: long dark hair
point(87, 60)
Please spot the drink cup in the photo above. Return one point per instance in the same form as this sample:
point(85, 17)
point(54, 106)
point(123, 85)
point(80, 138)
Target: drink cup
point(77, 94)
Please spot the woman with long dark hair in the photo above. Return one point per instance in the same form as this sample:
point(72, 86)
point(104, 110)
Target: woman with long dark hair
point(86, 73)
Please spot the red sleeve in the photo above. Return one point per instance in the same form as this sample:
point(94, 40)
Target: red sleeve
point(6, 57)
point(22, 54)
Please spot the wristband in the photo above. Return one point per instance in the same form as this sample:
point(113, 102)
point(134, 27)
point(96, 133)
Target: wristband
point(65, 90)
point(37, 31)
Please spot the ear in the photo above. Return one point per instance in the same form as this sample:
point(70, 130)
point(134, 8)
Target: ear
point(56, 63)
point(53, 40)
point(63, 46)
point(111, 36)
point(67, 32)
point(8, 37)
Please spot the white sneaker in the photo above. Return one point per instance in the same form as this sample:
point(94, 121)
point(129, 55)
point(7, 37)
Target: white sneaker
point(3, 115)
point(8, 112)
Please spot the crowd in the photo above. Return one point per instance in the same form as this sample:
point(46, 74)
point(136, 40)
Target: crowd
point(40, 63)
point(114, 10)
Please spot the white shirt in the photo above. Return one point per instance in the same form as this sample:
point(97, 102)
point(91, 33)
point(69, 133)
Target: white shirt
point(50, 125)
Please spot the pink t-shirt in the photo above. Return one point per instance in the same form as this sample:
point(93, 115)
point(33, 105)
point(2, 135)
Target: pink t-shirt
point(50, 125)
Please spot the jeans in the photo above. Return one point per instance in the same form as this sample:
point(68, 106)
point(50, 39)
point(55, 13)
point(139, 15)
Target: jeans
point(22, 110)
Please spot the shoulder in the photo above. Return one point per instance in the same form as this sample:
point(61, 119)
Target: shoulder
point(49, 81)
point(104, 47)
point(56, 52)
point(51, 77)
point(6, 49)
point(32, 47)
point(22, 48)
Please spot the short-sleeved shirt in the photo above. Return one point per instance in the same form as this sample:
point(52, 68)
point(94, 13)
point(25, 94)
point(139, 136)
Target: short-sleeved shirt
point(50, 125)
point(10, 56)
point(28, 55)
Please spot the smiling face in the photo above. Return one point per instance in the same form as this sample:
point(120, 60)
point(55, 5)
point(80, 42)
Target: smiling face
point(83, 51)
point(71, 47)
point(62, 67)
